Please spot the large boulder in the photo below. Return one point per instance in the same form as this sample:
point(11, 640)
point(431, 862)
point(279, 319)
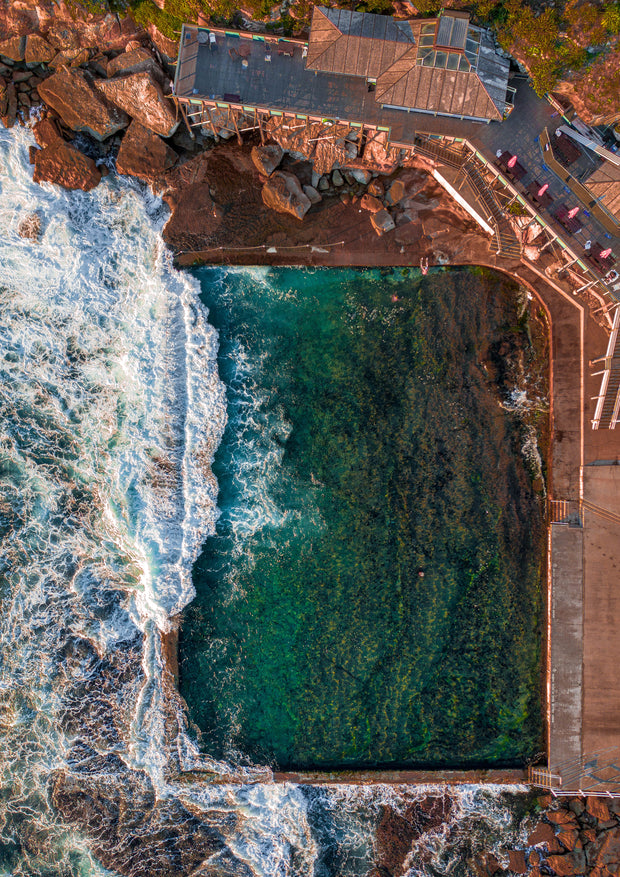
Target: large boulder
point(13, 48)
point(283, 192)
point(135, 61)
point(46, 132)
point(142, 98)
point(81, 107)
point(63, 165)
point(144, 154)
point(606, 851)
point(382, 222)
point(370, 203)
point(38, 50)
point(568, 865)
point(267, 158)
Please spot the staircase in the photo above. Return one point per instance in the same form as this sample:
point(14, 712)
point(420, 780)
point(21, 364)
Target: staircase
point(444, 154)
point(505, 239)
point(611, 405)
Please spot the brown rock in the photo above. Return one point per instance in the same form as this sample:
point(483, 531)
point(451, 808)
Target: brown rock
point(20, 76)
point(568, 838)
point(560, 817)
point(10, 102)
point(46, 132)
point(267, 158)
point(13, 48)
point(136, 60)
point(38, 50)
point(606, 850)
point(63, 165)
point(24, 100)
point(142, 98)
point(544, 834)
point(577, 806)
point(568, 864)
point(516, 861)
point(70, 58)
point(597, 808)
point(282, 192)
point(396, 192)
point(535, 871)
point(369, 202)
point(311, 193)
point(587, 835)
point(80, 106)
point(30, 227)
point(382, 222)
point(376, 188)
point(534, 858)
point(144, 154)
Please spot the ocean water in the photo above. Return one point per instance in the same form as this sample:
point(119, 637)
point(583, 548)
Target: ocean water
point(372, 594)
point(111, 410)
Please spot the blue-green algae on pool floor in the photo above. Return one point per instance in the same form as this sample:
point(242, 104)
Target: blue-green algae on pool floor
point(372, 596)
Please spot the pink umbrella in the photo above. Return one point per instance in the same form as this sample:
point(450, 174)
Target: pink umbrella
point(512, 161)
point(604, 254)
point(542, 190)
point(573, 213)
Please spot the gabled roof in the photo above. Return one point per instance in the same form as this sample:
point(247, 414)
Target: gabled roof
point(355, 43)
point(443, 65)
point(452, 92)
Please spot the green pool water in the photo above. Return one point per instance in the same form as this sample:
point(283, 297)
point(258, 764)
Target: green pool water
point(372, 596)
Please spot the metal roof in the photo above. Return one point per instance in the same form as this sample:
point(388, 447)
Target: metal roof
point(355, 43)
point(442, 65)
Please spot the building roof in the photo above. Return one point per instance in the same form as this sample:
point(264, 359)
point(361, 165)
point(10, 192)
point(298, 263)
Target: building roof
point(604, 184)
point(355, 43)
point(441, 65)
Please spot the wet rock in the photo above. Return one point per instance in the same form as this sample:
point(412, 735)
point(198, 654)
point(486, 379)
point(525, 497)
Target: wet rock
point(370, 203)
point(606, 850)
point(46, 132)
point(63, 165)
point(24, 100)
point(516, 861)
point(13, 48)
point(560, 817)
point(568, 865)
point(577, 806)
point(312, 194)
point(397, 830)
point(337, 179)
point(597, 808)
point(80, 105)
point(382, 222)
point(267, 158)
point(323, 184)
point(9, 116)
point(282, 192)
point(144, 154)
point(30, 227)
point(142, 98)
point(135, 61)
point(38, 50)
point(544, 834)
point(568, 838)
